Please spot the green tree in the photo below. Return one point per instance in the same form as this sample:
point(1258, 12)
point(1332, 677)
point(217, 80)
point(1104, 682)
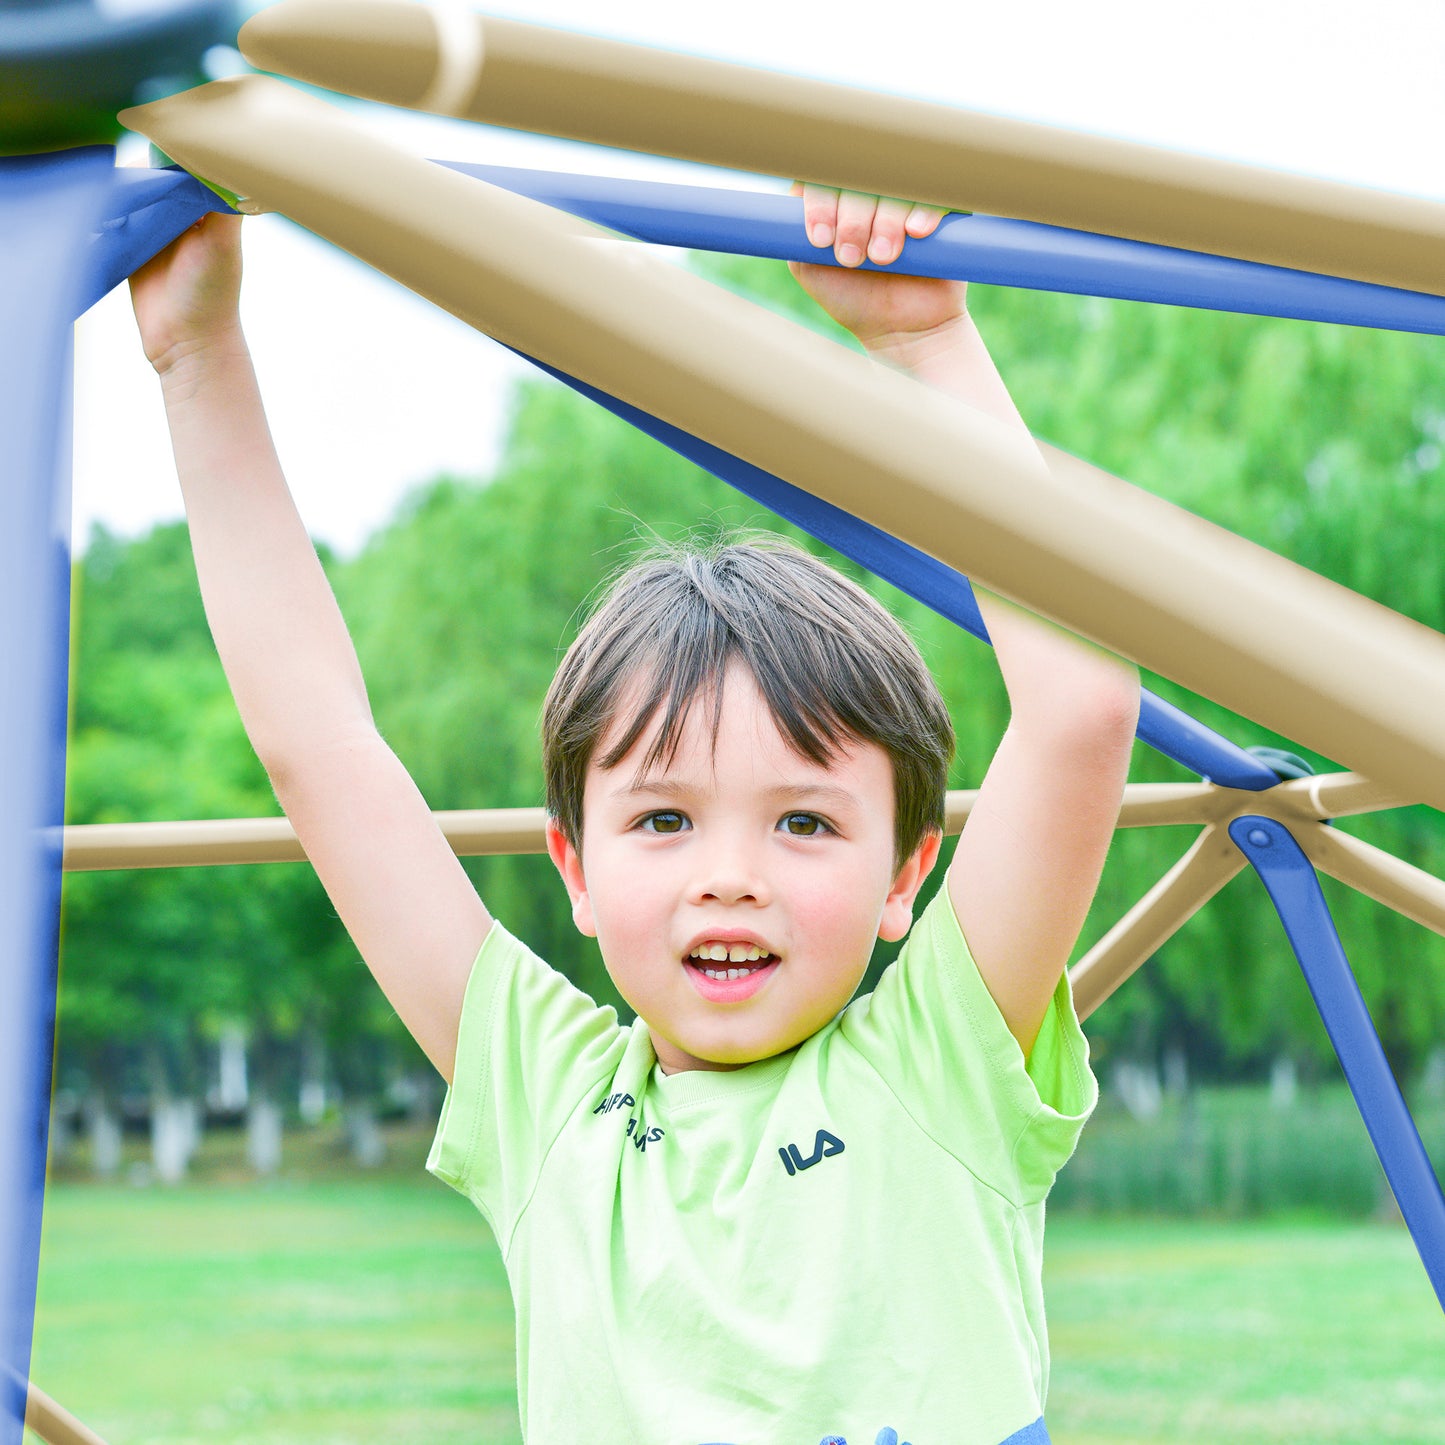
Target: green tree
point(155, 962)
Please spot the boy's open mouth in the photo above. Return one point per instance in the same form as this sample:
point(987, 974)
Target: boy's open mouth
point(729, 972)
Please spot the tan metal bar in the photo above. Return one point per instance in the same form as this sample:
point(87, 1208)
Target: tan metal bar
point(52, 1423)
point(214, 842)
point(200, 843)
point(1344, 676)
point(1209, 864)
point(1377, 874)
point(91, 847)
point(474, 832)
point(531, 78)
point(957, 805)
point(1335, 795)
point(1151, 805)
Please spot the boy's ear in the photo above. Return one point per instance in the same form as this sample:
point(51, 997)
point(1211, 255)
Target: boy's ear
point(569, 865)
point(898, 907)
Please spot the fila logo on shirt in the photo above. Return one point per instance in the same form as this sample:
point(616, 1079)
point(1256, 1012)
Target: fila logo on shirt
point(824, 1146)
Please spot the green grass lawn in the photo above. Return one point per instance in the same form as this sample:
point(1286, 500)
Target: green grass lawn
point(375, 1309)
point(1187, 1331)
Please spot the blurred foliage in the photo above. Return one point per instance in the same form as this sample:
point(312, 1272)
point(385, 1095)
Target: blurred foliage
point(1320, 443)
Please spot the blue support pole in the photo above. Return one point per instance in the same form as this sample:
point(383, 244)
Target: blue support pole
point(927, 580)
point(48, 203)
point(144, 212)
point(157, 205)
point(1294, 889)
point(989, 249)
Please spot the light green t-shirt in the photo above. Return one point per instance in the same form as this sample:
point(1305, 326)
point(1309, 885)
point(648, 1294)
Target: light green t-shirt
point(844, 1237)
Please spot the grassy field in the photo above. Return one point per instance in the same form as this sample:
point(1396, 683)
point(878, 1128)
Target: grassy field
point(375, 1309)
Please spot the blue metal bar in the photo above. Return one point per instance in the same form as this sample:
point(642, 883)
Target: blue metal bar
point(1294, 889)
point(925, 579)
point(144, 211)
point(156, 206)
point(150, 208)
point(49, 203)
point(987, 249)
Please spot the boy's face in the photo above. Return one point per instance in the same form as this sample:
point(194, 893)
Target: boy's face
point(746, 847)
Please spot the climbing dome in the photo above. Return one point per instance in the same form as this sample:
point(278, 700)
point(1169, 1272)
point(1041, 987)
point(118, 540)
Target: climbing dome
point(801, 425)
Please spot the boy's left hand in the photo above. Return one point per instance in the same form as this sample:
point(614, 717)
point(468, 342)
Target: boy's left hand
point(882, 311)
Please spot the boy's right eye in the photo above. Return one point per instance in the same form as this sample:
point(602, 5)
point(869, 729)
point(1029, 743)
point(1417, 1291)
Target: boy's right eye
point(664, 823)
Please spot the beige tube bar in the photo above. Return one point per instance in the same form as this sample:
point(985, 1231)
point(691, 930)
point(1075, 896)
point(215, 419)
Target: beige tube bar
point(1303, 656)
point(94, 847)
point(531, 78)
point(1335, 795)
point(54, 1424)
point(1379, 875)
point(1210, 863)
point(475, 832)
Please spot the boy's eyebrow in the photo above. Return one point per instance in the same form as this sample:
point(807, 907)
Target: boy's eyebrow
point(784, 792)
point(817, 792)
point(662, 787)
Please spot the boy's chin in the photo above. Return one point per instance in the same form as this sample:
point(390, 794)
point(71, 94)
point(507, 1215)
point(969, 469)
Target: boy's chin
point(720, 1055)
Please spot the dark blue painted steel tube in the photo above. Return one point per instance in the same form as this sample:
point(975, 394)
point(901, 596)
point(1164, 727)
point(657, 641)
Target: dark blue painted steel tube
point(1295, 891)
point(49, 204)
point(144, 212)
point(987, 249)
point(155, 206)
point(927, 580)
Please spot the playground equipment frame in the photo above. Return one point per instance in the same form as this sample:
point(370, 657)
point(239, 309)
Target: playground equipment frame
point(757, 400)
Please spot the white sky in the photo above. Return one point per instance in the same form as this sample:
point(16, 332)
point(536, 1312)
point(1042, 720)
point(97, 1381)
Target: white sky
point(1320, 86)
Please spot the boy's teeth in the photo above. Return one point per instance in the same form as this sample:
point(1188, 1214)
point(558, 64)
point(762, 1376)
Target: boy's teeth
point(729, 952)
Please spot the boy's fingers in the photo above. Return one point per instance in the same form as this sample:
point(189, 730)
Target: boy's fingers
point(855, 227)
point(923, 221)
point(888, 230)
point(860, 226)
point(820, 212)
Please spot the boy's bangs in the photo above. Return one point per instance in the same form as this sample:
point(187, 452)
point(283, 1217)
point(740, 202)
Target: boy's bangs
point(809, 722)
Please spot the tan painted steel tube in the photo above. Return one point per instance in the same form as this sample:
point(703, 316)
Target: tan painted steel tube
point(214, 842)
point(1227, 619)
point(1154, 805)
point(1334, 795)
point(92, 847)
point(531, 78)
point(1379, 875)
point(1209, 864)
point(52, 1423)
point(472, 832)
point(1145, 805)
point(198, 843)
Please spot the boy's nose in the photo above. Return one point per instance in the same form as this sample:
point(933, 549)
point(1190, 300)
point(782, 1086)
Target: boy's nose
point(731, 875)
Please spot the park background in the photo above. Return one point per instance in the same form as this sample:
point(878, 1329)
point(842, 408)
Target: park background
point(240, 1241)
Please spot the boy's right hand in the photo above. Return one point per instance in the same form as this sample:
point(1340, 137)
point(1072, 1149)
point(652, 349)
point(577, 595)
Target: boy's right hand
point(888, 313)
point(187, 298)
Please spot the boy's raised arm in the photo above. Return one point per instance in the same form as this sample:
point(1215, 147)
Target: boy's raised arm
point(403, 896)
point(1028, 862)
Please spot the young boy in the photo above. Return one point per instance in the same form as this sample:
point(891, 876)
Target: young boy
point(760, 1213)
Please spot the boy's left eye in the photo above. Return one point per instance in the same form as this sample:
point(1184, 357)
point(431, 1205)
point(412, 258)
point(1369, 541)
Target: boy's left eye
point(664, 822)
point(803, 825)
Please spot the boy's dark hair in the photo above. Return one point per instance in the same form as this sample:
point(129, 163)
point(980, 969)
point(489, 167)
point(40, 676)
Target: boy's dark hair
point(831, 663)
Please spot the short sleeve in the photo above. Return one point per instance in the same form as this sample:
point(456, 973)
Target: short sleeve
point(531, 1049)
point(934, 1034)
